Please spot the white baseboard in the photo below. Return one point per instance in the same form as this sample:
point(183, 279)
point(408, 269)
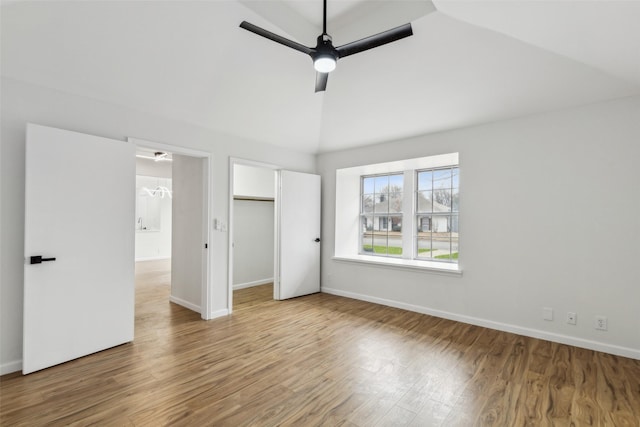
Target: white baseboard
point(218, 313)
point(252, 284)
point(9, 367)
point(534, 333)
point(152, 258)
point(184, 303)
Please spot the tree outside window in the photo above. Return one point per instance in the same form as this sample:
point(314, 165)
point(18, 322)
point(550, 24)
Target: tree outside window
point(381, 214)
point(437, 201)
point(434, 219)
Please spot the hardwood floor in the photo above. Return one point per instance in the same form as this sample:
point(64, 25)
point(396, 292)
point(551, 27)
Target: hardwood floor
point(250, 297)
point(321, 360)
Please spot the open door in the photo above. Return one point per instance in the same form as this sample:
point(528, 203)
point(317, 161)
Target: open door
point(297, 235)
point(79, 246)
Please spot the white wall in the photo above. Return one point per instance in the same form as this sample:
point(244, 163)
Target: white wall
point(253, 242)
point(538, 198)
point(188, 239)
point(251, 181)
point(22, 103)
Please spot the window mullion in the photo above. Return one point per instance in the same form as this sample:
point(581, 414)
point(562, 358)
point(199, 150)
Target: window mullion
point(408, 214)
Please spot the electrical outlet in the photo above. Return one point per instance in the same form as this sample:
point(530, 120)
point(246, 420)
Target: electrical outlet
point(601, 323)
point(547, 313)
point(571, 318)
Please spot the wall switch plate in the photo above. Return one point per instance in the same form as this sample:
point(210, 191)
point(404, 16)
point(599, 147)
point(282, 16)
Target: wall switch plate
point(547, 313)
point(571, 318)
point(601, 323)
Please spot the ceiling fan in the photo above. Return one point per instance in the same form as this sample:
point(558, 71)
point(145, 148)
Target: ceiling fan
point(325, 55)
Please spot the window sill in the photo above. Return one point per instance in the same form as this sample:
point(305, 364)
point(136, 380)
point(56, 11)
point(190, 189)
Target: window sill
point(436, 267)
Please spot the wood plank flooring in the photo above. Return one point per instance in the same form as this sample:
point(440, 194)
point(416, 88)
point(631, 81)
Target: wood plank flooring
point(321, 360)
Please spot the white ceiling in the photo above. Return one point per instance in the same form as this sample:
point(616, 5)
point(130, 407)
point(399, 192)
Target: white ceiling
point(469, 62)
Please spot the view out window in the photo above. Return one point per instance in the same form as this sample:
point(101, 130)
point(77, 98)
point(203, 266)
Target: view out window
point(437, 200)
point(433, 214)
point(401, 213)
point(381, 214)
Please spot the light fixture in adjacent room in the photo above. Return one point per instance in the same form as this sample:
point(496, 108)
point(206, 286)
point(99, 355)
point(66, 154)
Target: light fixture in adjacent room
point(158, 156)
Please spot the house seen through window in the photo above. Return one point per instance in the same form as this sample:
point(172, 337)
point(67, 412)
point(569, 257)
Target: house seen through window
point(401, 213)
point(425, 201)
point(437, 201)
point(381, 214)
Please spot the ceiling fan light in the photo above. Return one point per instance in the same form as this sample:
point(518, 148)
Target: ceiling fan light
point(324, 64)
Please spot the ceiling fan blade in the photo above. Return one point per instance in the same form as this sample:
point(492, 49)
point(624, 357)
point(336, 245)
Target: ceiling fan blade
point(321, 81)
point(276, 38)
point(375, 40)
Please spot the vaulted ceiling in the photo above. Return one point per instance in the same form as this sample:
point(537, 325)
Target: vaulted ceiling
point(468, 62)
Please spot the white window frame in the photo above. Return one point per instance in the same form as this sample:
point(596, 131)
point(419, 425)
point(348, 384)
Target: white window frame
point(433, 214)
point(386, 216)
point(348, 226)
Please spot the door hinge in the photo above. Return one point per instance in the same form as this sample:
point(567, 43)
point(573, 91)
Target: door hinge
point(206, 246)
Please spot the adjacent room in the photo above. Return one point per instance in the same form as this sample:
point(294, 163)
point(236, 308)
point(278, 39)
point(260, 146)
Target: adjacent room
point(153, 224)
point(320, 212)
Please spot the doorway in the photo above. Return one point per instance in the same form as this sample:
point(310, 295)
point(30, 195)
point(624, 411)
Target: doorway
point(178, 234)
point(252, 233)
point(153, 228)
point(296, 228)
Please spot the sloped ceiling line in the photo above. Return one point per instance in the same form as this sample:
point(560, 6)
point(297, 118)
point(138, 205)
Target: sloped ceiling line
point(468, 62)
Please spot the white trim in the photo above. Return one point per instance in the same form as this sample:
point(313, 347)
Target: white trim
point(10, 367)
point(506, 327)
point(276, 240)
point(254, 163)
point(168, 147)
point(400, 263)
point(152, 258)
point(185, 304)
point(207, 285)
point(218, 313)
point(252, 284)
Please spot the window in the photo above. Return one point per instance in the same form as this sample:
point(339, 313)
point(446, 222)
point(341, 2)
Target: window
point(403, 213)
point(381, 214)
point(437, 201)
point(436, 214)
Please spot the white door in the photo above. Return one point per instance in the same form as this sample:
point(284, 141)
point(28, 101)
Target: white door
point(79, 217)
point(297, 235)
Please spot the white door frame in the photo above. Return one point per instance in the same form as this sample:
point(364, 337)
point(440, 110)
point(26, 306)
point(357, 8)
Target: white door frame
point(245, 162)
point(206, 291)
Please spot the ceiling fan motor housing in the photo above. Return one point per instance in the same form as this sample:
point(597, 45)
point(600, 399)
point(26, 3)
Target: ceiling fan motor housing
point(324, 49)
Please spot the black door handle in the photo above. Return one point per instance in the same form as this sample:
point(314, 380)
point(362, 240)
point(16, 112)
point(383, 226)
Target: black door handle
point(317, 240)
point(37, 259)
